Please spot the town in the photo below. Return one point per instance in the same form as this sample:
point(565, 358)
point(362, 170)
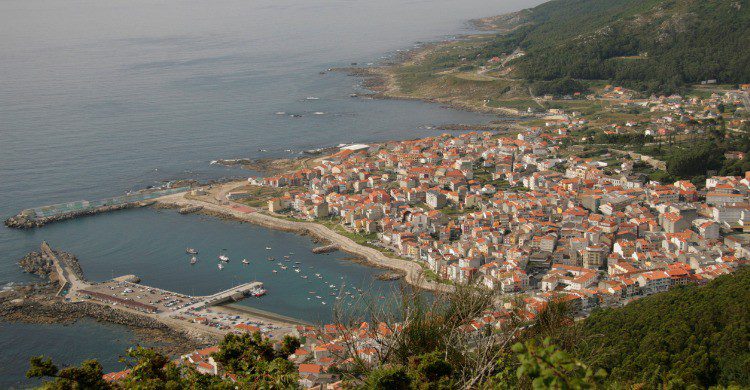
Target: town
point(521, 215)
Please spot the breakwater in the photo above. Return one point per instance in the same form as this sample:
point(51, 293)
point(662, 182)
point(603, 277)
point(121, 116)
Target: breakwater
point(325, 249)
point(40, 216)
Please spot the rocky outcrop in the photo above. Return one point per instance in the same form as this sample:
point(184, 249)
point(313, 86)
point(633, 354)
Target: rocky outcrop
point(37, 264)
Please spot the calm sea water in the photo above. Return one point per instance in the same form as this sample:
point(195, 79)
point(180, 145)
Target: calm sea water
point(98, 97)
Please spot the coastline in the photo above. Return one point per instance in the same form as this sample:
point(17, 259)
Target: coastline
point(413, 272)
point(37, 304)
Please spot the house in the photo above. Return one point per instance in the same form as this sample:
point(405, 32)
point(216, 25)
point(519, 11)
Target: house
point(435, 199)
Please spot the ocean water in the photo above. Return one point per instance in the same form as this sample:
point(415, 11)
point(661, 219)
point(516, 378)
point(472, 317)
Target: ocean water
point(99, 97)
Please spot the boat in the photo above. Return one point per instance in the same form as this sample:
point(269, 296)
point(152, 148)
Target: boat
point(296, 270)
point(268, 248)
point(244, 261)
point(311, 98)
point(224, 258)
point(286, 257)
point(283, 267)
point(318, 275)
point(274, 271)
point(271, 258)
point(191, 251)
point(297, 262)
point(193, 260)
point(258, 292)
point(324, 302)
point(221, 266)
point(304, 276)
point(318, 296)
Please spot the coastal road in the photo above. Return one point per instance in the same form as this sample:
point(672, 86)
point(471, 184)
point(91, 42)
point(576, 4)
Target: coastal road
point(413, 271)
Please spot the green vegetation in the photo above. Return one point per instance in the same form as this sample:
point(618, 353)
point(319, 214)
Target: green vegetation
point(252, 359)
point(689, 336)
point(650, 45)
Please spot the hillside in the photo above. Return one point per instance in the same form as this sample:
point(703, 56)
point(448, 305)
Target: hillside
point(690, 335)
point(651, 45)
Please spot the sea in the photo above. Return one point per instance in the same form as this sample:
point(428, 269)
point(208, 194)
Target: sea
point(101, 97)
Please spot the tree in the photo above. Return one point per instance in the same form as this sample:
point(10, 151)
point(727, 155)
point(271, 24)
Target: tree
point(288, 345)
point(86, 376)
point(388, 377)
point(549, 367)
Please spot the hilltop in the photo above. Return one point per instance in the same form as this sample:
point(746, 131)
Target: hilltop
point(564, 47)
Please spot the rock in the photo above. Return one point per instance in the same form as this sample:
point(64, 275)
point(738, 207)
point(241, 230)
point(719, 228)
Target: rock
point(35, 263)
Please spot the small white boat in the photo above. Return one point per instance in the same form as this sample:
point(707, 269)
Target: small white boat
point(221, 266)
point(193, 260)
point(224, 258)
point(191, 251)
point(274, 271)
point(268, 248)
point(318, 296)
point(324, 302)
point(312, 98)
point(296, 270)
point(304, 276)
point(244, 261)
point(283, 267)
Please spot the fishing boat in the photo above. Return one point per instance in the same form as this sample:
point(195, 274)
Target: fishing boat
point(221, 266)
point(193, 260)
point(258, 292)
point(244, 261)
point(191, 251)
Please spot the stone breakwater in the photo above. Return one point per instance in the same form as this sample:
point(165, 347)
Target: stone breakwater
point(325, 249)
point(24, 222)
point(38, 264)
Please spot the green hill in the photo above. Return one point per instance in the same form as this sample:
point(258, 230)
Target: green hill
point(687, 336)
point(651, 45)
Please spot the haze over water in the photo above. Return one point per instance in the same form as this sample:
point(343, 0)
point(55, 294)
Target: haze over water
point(98, 97)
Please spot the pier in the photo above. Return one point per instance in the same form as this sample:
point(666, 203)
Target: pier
point(39, 216)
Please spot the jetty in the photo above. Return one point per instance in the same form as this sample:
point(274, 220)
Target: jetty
point(325, 249)
point(39, 216)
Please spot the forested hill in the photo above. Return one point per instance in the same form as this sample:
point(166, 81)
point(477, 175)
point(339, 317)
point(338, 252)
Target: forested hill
point(697, 336)
point(651, 45)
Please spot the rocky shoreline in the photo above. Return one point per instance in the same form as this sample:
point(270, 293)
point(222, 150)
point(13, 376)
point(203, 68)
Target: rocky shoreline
point(38, 304)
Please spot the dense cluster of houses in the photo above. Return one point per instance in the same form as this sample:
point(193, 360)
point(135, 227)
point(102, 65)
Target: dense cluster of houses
point(511, 214)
